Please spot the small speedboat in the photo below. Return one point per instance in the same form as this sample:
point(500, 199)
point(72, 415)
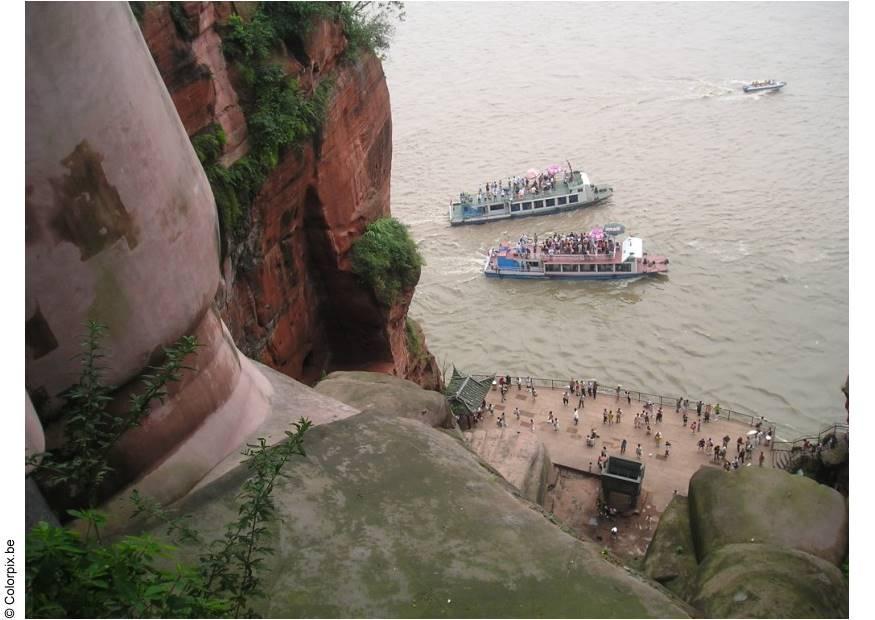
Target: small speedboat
point(760, 86)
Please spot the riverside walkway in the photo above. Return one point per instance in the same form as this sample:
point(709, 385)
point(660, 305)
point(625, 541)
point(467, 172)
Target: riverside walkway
point(568, 448)
point(575, 480)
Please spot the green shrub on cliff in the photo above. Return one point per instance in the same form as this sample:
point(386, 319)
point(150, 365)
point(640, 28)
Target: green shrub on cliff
point(385, 257)
point(369, 25)
point(81, 465)
point(69, 575)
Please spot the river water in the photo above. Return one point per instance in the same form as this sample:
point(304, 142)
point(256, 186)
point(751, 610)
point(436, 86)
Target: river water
point(747, 194)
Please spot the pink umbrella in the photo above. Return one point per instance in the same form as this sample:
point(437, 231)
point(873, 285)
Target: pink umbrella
point(554, 169)
point(532, 173)
point(597, 233)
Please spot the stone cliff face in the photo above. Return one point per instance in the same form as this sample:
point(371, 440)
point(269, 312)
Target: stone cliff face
point(289, 296)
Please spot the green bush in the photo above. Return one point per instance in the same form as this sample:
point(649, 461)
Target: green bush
point(385, 257)
point(414, 339)
point(81, 465)
point(71, 575)
point(368, 25)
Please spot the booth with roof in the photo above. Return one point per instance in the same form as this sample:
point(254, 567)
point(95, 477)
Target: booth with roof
point(465, 394)
point(622, 477)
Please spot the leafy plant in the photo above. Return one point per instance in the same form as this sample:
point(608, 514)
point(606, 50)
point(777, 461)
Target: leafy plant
point(369, 25)
point(181, 21)
point(414, 339)
point(70, 575)
point(81, 464)
point(385, 257)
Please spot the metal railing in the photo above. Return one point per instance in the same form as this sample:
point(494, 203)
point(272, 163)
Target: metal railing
point(657, 399)
point(788, 446)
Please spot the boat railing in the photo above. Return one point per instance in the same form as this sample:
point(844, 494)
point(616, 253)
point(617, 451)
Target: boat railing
point(726, 413)
point(580, 258)
point(562, 189)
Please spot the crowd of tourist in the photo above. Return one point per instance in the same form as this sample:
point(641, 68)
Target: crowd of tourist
point(521, 186)
point(650, 420)
point(583, 244)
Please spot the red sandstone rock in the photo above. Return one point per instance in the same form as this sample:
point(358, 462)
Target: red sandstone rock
point(290, 299)
point(325, 45)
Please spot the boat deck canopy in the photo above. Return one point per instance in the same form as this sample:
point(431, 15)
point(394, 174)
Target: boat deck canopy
point(633, 247)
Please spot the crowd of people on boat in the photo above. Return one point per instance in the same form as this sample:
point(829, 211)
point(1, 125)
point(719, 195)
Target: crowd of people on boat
point(521, 186)
point(577, 243)
point(758, 83)
point(583, 244)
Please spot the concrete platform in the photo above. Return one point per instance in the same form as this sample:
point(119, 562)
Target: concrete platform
point(575, 485)
point(567, 446)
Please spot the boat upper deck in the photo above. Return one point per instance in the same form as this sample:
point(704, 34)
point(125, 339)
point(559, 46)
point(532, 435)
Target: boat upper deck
point(521, 188)
point(534, 252)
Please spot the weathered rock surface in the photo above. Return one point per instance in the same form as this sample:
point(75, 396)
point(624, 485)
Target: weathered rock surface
point(766, 546)
point(766, 581)
point(767, 506)
point(121, 228)
point(387, 517)
point(289, 297)
point(372, 391)
point(520, 457)
point(671, 557)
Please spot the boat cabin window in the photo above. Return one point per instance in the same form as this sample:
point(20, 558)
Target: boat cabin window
point(527, 206)
point(587, 268)
point(627, 267)
point(572, 198)
point(569, 268)
point(551, 267)
point(550, 202)
point(534, 264)
point(605, 268)
point(515, 208)
point(562, 200)
point(539, 204)
point(496, 207)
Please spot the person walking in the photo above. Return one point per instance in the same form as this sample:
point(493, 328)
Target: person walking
point(638, 451)
point(623, 447)
point(576, 417)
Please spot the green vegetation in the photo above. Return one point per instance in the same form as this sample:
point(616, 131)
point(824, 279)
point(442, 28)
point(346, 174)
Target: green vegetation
point(138, 9)
point(369, 25)
point(81, 464)
point(414, 340)
point(279, 115)
point(385, 257)
point(180, 21)
point(72, 575)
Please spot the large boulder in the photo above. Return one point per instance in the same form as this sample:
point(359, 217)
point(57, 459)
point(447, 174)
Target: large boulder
point(377, 391)
point(521, 458)
point(765, 581)
point(671, 557)
point(767, 506)
point(387, 517)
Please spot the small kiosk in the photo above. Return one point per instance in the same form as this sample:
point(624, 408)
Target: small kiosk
point(622, 477)
point(465, 394)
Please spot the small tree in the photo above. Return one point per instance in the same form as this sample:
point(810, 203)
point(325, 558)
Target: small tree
point(81, 464)
point(385, 257)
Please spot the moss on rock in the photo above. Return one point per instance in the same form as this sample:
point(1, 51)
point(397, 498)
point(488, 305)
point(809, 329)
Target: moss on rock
point(765, 581)
point(671, 557)
point(377, 391)
point(766, 506)
point(387, 517)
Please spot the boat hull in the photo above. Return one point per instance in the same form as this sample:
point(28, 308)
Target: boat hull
point(518, 275)
point(532, 213)
point(762, 89)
